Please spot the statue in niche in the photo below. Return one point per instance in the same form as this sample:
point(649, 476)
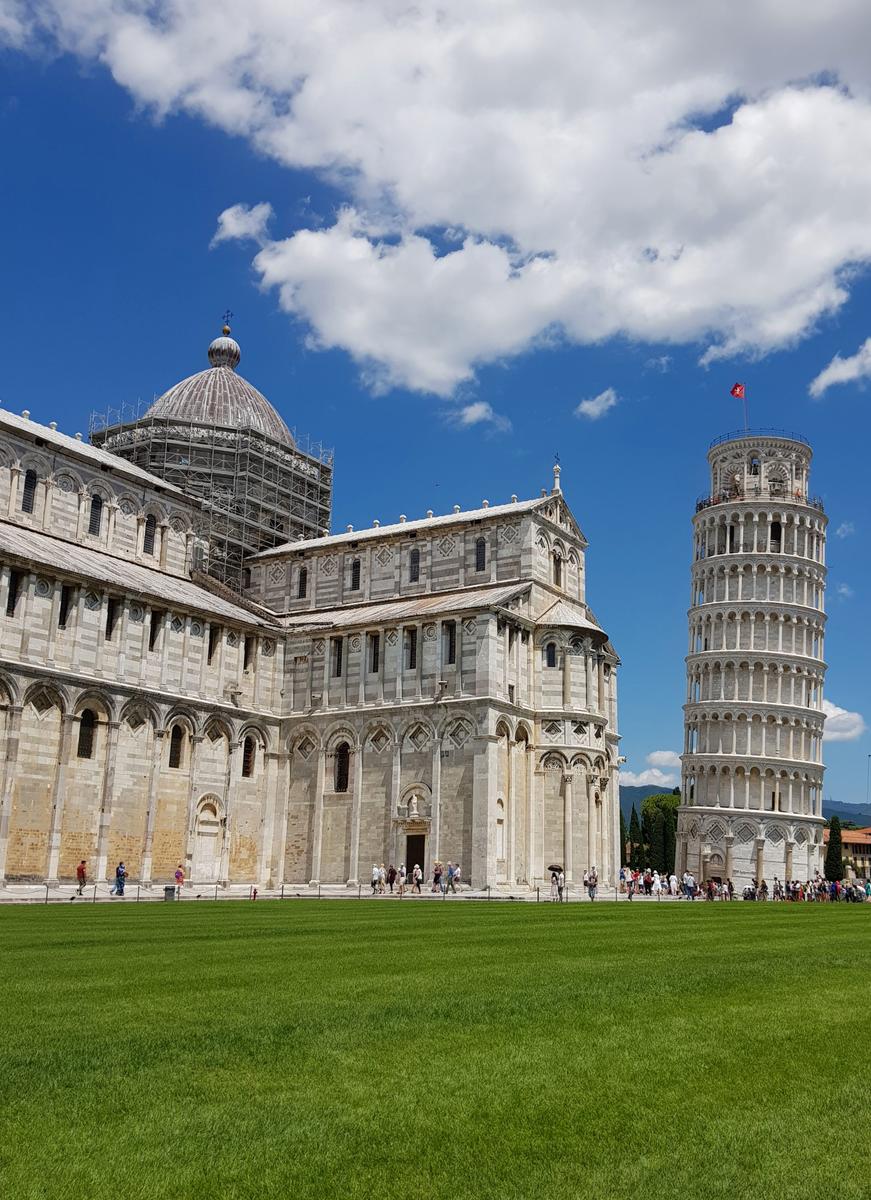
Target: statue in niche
point(412, 805)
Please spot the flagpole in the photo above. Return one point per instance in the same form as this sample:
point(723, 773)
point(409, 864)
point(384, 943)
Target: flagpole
point(746, 419)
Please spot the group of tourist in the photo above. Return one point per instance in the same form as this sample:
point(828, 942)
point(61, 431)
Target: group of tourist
point(394, 882)
point(652, 883)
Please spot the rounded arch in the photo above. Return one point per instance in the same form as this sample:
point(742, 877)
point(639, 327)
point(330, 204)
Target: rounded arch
point(181, 716)
point(303, 738)
point(47, 695)
point(138, 710)
point(340, 732)
point(259, 732)
point(410, 728)
point(10, 693)
point(553, 760)
point(523, 732)
point(94, 698)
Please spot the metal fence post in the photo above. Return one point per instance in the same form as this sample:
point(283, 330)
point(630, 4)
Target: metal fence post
point(537, 894)
point(319, 891)
point(488, 891)
point(216, 891)
point(137, 893)
point(282, 891)
point(46, 893)
point(95, 894)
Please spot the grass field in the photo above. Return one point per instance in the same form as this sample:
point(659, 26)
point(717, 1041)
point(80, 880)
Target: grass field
point(434, 1050)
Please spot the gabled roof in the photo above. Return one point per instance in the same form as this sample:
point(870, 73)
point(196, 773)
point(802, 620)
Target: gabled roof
point(514, 508)
point(85, 452)
point(563, 614)
point(58, 554)
point(389, 611)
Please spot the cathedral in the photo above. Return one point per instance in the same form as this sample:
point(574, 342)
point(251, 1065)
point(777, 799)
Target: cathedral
point(195, 671)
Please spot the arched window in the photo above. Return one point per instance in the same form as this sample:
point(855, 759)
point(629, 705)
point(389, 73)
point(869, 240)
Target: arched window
point(557, 571)
point(87, 722)
point(355, 575)
point(150, 531)
point(29, 493)
point(176, 742)
point(343, 766)
point(96, 518)
point(550, 654)
point(480, 554)
point(249, 753)
point(776, 535)
point(302, 583)
point(414, 565)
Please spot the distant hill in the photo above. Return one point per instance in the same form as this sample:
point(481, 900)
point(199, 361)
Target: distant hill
point(634, 795)
point(859, 814)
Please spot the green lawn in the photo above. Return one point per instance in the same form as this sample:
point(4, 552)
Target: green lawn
point(458, 1050)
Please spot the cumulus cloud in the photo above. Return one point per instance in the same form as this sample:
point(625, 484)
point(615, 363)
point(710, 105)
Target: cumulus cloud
point(651, 169)
point(655, 775)
point(651, 776)
point(844, 591)
point(843, 370)
point(841, 725)
point(664, 758)
point(242, 222)
point(597, 406)
point(479, 412)
point(845, 529)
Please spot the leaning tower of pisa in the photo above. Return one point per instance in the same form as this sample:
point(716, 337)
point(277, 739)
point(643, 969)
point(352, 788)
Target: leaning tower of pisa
point(752, 769)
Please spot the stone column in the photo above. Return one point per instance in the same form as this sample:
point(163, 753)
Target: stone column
point(483, 866)
point(436, 826)
point(14, 477)
point(318, 831)
point(760, 859)
point(530, 815)
point(190, 820)
point(567, 679)
point(588, 682)
point(568, 846)
point(511, 817)
point(234, 758)
point(265, 871)
point(57, 800)
point(356, 802)
point(7, 781)
point(790, 845)
point(151, 811)
point(591, 821)
point(106, 797)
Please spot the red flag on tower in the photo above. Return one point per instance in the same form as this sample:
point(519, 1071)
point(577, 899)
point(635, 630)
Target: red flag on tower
point(737, 391)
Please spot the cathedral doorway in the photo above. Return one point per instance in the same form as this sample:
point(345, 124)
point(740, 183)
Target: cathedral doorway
point(206, 864)
point(415, 852)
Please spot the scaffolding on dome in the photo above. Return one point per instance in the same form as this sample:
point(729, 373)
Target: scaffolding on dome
point(255, 492)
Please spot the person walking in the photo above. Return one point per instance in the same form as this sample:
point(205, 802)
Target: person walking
point(401, 878)
point(391, 877)
point(554, 885)
point(81, 876)
point(417, 877)
point(561, 885)
point(117, 888)
point(449, 886)
point(592, 883)
point(179, 881)
point(376, 875)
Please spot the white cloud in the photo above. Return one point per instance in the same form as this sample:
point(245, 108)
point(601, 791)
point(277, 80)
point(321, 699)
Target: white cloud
point(845, 529)
point(844, 591)
point(664, 758)
point(841, 725)
point(661, 363)
point(651, 776)
point(243, 223)
point(843, 370)
point(651, 169)
point(479, 412)
point(597, 406)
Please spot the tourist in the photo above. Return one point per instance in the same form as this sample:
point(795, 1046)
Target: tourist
point(622, 879)
point(437, 877)
point(391, 877)
point(117, 888)
point(554, 885)
point(401, 880)
point(382, 879)
point(449, 886)
point(376, 875)
point(672, 884)
point(81, 876)
point(592, 883)
point(657, 885)
point(456, 875)
point(561, 885)
point(179, 881)
point(417, 877)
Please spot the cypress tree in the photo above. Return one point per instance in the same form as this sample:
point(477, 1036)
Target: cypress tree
point(636, 847)
point(657, 841)
point(835, 851)
point(624, 838)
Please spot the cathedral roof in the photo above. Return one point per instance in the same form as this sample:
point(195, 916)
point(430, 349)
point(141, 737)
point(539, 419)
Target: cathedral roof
point(130, 578)
point(218, 396)
point(76, 448)
point(429, 604)
point(564, 615)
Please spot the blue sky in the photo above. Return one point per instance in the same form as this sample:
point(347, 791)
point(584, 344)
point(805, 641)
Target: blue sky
point(438, 376)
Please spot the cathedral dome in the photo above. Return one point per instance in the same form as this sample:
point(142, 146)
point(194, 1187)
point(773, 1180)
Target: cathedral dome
point(218, 396)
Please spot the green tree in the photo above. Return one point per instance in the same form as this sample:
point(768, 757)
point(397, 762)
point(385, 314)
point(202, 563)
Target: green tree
point(624, 838)
point(835, 851)
point(636, 847)
point(667, 803)
point(657, 841)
